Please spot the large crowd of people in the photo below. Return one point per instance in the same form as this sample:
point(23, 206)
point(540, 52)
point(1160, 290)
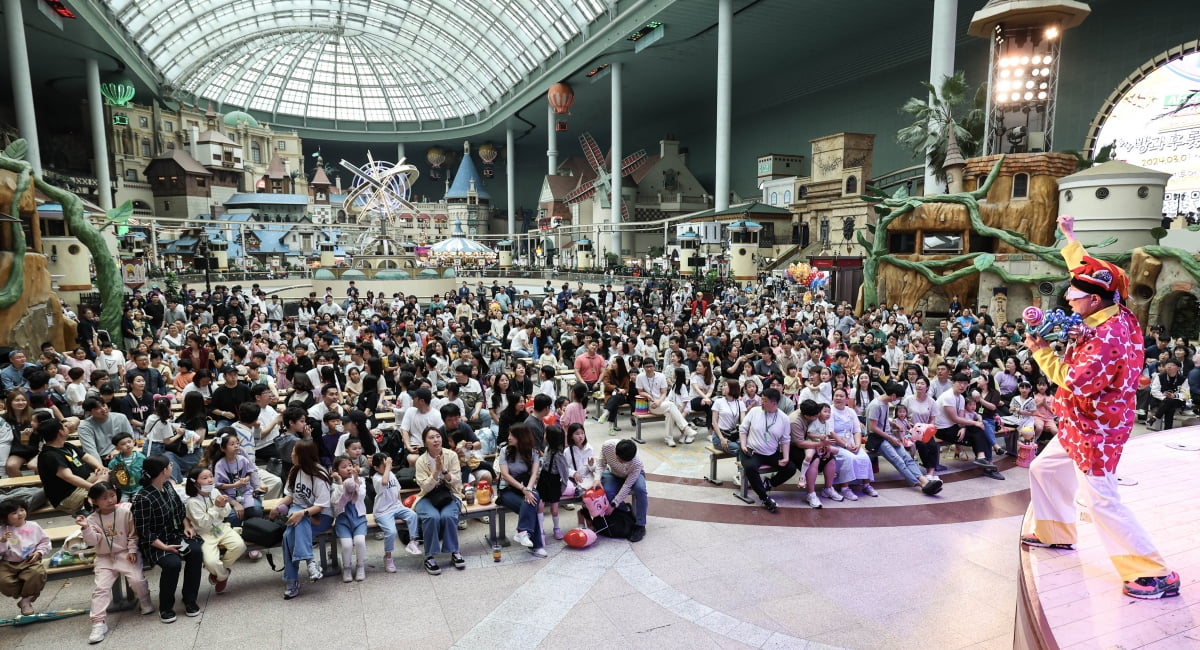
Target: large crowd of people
point(203, 406)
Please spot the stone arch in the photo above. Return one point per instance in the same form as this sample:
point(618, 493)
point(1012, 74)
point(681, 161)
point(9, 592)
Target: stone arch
point(1179, 311)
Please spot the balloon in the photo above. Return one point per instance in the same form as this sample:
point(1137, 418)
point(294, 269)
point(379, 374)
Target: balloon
point(561, 96)
point(579, 538)
point(410, 500)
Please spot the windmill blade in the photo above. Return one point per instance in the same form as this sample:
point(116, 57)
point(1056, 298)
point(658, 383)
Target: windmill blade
point(632, 162)
point(592, 151)
point(581, 193)
point(624, 212)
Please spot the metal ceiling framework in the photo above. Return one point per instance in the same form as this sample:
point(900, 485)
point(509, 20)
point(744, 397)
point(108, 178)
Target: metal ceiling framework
point(382, 61)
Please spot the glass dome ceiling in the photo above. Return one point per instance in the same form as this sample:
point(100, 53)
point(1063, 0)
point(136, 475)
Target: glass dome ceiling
point(352, 60)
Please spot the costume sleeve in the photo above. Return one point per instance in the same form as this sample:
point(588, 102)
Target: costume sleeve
point(1088, 373)
point(1073, 254)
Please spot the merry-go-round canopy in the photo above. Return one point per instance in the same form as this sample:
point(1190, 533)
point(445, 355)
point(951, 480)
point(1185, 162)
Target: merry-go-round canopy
point(459, 245)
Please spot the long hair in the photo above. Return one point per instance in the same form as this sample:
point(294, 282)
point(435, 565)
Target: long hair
point(579, 394)
point(524, 436)
point(193, 406)
point(20, 419)
point(496, 394)
point(708, 373)
point(308, 460)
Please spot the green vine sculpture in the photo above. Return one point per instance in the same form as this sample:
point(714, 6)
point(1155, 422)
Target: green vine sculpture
point(889, 208)
point(108, 274)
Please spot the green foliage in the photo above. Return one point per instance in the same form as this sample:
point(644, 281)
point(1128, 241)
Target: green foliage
point(1158, 232)
point(1082, 162)
point(17, 149)
point(934, 119)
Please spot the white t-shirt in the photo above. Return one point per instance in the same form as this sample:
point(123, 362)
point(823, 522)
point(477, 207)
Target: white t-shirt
point(415, 422)
point(948, 398)
point(653, 386)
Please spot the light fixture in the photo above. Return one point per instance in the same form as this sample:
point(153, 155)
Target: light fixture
point(1029, 84)
point(1004, 74)
point(1016, 96)
point(54, 254)
point(1037, 59)
point(1051, 32)
point(1018, 72)
point(1024, 60)
point(1045, 72)
point(1035, 72)
point(1043, 85)
point(1042, 95)
point(1028, 96)
point(1046, 59)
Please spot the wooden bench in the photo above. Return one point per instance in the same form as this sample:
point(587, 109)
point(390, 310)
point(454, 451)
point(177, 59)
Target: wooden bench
point(743, 492)
point(29, 480)
point(714, 455)
point(502, 512)
point(639, 418)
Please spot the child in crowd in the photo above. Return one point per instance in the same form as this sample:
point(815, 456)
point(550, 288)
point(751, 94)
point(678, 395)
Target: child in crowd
point(388, 509)
point(793, 384)
point(236, 478)
point(581, 458)
point(555, 474)
point(109, 530)
point(576, 411)
point(23, 544)
point(546, 375)
point(76, 390)
point(900, 425)
point(333, 424)
point(350, 516)
point(125, 468)
point(208, 514)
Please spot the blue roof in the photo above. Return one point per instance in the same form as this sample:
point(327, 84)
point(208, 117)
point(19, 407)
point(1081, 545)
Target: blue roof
point(264, 198)
point(271, 241)
point(233, 249)
point(462, 181)
point(237, 217)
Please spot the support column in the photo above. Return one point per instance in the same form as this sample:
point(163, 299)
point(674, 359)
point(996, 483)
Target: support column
point(400, 152)
point(724, 101)
point(941, 65)
point(615, 165)
point(552, 140)
point(99, 146)
point(14, 24)
point(510, 170)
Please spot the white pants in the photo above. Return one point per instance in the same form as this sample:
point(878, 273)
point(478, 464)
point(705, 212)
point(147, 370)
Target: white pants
point(273, 485)
point(1053, 480)
point(675, 419)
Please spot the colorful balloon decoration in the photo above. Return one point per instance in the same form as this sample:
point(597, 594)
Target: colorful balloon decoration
point(435, 156)
point(579, 538)
point(561, 96)
point(807, 276)
point(488, 154)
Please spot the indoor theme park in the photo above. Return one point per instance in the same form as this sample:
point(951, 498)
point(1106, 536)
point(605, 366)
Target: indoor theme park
point(539, 324)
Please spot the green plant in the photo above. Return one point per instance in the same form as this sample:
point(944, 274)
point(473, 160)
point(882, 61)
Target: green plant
point(1158, 232)
point(946, 110)
point(1082, 162)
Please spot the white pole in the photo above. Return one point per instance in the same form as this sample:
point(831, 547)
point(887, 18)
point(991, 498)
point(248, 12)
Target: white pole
point(14, 23)
point(724, 100)
point(510, 168)
point(400, 152)
point(552, 140)
point(615, 166)
point(99, 147)
point(941, 64)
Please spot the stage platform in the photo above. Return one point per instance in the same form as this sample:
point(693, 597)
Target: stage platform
point(1073, 599)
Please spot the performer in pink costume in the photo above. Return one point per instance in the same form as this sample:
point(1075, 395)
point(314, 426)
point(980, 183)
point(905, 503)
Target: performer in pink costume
point(1098, 378)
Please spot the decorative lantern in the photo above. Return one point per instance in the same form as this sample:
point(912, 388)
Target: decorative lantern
point(561, 97)
point(488, 153)
point(436, 156)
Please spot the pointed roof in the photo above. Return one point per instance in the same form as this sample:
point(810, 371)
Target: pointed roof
point(320, 177)
point(954, 156)
point(462, 182)
point(641, 172)
point(185, 161)
point(275, 169)
point(216, 137)
point(561, 186)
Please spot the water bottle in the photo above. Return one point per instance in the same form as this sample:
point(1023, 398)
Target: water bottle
point(496, 551)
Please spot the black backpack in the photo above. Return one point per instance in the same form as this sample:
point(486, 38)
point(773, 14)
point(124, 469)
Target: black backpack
point(263, 532)
point(617, 525)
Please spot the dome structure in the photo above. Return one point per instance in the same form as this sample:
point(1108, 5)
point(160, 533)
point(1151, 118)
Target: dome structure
point(237, 118)
point(428, 274)
point(354, 274)
point(323, 274)
point(392, 274)
point(458, 248)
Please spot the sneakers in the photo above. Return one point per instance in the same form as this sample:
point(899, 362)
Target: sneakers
point(993, 473)
point(603, 417)
point(379, 535)
point(831, 494)
point(614, 427)
point(314, 570)
point(457, 560)
point(984, 463)
point(360, 573)
point(813, 501)
point(689, 436)
point(147, 606)
point(389, 565)
point(770, 505)
point(849, 494)
point(290, 591)
point(538, 552)
point(191, 609)
point(254, 555)
point(932, 486)
point(98, 631)
point(347, 575)
point(169, 616)
point(1030, 540)
point(462, 524)
point(612, 431)
point(413, 548)
point(638, 534)
point(522, 538)
point(558, 533)
point(1153, 588)
point(869, 491)
point(431, 566)
point(670, 441)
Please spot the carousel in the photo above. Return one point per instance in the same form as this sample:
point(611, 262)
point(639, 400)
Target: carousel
point(459, 252)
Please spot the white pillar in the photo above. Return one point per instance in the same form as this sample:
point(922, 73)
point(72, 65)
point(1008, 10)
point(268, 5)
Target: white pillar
point(615, 166)
point(400, 152)
point(14, 23)
point(99, 147)
point(724, 100)
point(510, 169)
point(941, 64)
point(552, 140)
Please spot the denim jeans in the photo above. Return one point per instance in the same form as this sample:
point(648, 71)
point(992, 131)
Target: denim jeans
point(440, 527)
point(734, 447)
point(989, 430)
point(902, 461)
point(297, 541)
point(387, 521)
point(528, 517)
point(255, 510)
point(641, 499)
point(350, 523)
point(190, 565)
point(159, 449)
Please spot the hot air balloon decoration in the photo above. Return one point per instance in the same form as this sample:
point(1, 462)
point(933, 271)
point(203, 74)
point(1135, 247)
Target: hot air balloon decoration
point(436, 156)
point(488, 153)
point(561, 97)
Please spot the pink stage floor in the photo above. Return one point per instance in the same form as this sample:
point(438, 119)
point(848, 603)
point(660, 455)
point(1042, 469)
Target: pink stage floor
point(1073, 598)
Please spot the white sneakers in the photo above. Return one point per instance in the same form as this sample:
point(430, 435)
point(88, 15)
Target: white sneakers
point(690, 436)
point(413, 548)
point(538, 552)
point(347, 575)
point(813, 500)
point(670, 441)
point(99, 630)
point(360, 574)
point(830, 494)
point(849, 494)
point(314, 570)
point(522, 537)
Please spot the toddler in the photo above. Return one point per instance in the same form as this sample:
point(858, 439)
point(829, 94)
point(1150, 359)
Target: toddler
point(109, 530)
point(125, 468)
point(23, 544)
point(349, 500)
point(208, 514)
point(388, 509)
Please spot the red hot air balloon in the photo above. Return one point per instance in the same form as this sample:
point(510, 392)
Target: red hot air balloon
point(561, 97)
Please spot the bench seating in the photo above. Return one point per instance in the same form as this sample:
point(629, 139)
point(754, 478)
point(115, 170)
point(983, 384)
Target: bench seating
point(714, 455)
point(639, 418)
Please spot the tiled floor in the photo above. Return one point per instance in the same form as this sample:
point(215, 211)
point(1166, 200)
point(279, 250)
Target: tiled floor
point(1080, 592)
point(899, 571)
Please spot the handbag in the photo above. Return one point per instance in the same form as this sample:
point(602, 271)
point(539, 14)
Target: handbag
point(439, 496)
point(73, 551)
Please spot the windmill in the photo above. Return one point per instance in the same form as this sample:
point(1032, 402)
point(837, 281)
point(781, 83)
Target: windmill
point(603, 181)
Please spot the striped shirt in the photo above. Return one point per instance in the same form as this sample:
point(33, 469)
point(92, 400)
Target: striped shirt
point(630, 471)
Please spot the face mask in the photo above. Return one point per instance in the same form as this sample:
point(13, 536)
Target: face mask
point(338, 428)
point(206, 489)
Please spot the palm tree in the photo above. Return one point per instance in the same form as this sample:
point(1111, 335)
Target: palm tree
point(934, 118)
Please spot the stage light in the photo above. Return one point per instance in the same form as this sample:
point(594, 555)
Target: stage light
point(1029, 84)
point(1001, 97)
point(1036, 59)
point(1024, 60)
point(1051, 33)
point(1028, 96)
point(1018, 72)
point(1045, 72)
point(1003, 85)
point(1035, 72)
point(1004, 62)
point(1043, 85)
point(1004, 74)
point(1046, 59)
point(1016, 97)
point(1042, 95)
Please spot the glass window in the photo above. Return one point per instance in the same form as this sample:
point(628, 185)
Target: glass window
point(851, 185)
point(131, 175)
point(935, 243)
point(144, 122)
point(255, 152)
point(787, 197)
point(1020, 186)
point(281, 145)
point(774, 198)
point(146, 153)
point(168, 126)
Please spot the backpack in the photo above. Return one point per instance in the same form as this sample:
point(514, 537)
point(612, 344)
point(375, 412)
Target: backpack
point(618, 524)
point(263, 532)
point(393, 445)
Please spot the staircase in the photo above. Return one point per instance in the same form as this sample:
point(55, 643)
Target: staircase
point(784, 259)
